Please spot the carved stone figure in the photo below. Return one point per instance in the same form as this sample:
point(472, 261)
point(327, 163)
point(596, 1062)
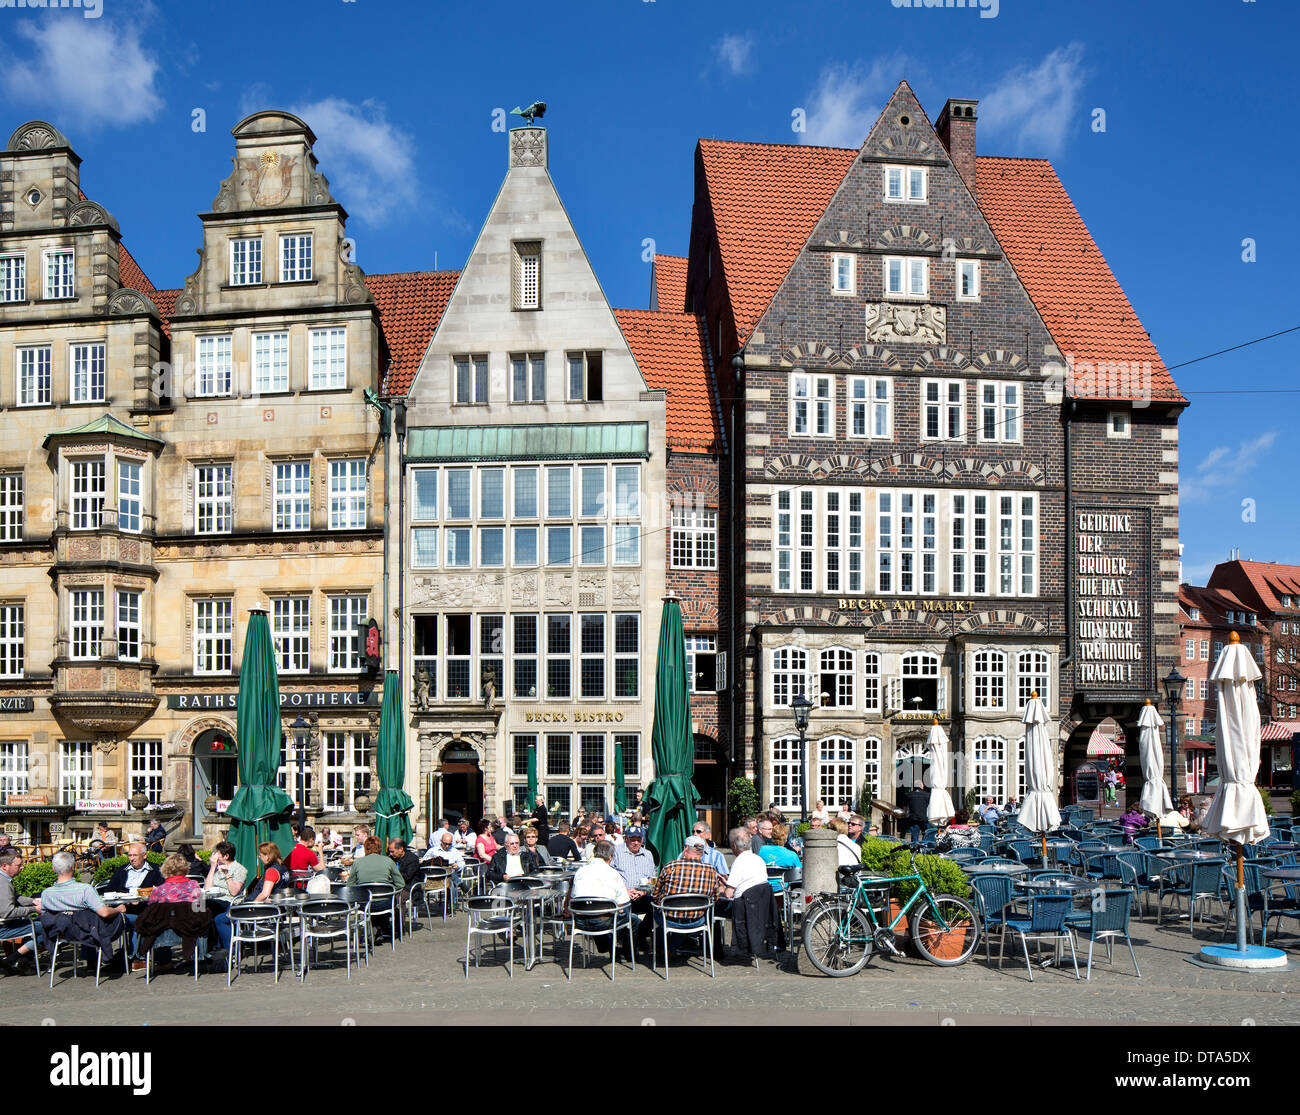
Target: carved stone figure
point(421, 688)
point(489, 687)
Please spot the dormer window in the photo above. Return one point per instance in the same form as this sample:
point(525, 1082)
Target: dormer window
point(295, 258)
point(527, 276)
point(59, 274)
point(246, 261)
point(1195, 613)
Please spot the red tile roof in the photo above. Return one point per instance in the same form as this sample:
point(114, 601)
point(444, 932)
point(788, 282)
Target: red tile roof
point(1267, 579)
point(410, 306)
point(669, 283)
point(1080, 300)
point(766, 199)
point(672, 354)
point(131, 273)
point(1212, 602)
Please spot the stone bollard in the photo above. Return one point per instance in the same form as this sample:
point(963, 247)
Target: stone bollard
point(821, 859)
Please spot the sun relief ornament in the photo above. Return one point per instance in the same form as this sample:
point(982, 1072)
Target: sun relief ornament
point(269, 178)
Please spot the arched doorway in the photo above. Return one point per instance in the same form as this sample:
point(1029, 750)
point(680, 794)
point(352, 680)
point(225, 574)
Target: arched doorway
point(911, 765)
point(710, 780)
point(461, 784)
point(216, 772)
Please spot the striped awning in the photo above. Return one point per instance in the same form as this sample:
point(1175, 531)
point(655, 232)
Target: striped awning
point(1279, 730)
point(1099, 744)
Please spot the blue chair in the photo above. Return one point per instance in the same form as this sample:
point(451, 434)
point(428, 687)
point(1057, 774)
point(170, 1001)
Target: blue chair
point(987, 860)
point(1198, 882)
point(1282, 900)
point(994, 895)
point(1083, 816)
point(1102, 867)
point(1025, 851)
point(1147, 843)
point(966, 855)
point(1106, 918)
point(1256, 884)
point(1049, 873)
point(1046, 922)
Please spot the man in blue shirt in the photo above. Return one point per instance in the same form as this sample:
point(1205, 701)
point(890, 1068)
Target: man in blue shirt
point(709, 853)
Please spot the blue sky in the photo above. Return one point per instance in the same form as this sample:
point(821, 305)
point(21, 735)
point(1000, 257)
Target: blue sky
point(1198, 152)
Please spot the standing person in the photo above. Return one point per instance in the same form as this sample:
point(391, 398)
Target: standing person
point(561, 845)
point(1112, 780)
point(12, 907)
point(543, 821)
point(918, 809)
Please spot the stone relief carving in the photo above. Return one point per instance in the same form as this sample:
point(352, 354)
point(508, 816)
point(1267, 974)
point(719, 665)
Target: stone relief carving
point(89, 213)
point(627, 588)
point(922, 324)
point(523, 590)
point(466, 590)
point(126, 301)
point(528, 147)
point(36, 136)
point(225, 198)
point(318, 189)
point(188, 302)
point(559, 590)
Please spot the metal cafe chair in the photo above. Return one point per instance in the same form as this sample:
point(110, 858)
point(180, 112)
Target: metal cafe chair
point(495, 916)
point(329, 919)
point(436, 882)
point(254, 925)
point(30, 925)
point(57, 940)
point(1046, 922)
point(584, 913)
point(662, 913)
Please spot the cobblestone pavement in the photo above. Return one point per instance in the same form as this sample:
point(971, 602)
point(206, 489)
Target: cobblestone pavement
point(424, 979)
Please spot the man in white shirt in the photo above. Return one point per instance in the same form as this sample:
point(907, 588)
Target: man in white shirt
point(747, 872)
point(597, 879)
point(747, 869)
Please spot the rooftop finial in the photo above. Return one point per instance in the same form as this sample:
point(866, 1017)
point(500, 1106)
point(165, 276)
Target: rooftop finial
point(532, 113)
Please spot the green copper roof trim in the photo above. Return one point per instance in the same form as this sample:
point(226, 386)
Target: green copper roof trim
point(105, 424)
point(577, 442)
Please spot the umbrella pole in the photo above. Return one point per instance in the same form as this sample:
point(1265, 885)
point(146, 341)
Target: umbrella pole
point(1241, 900)
point(1044, 848)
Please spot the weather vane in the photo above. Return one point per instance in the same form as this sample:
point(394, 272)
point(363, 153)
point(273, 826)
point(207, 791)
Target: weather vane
point(532, 113)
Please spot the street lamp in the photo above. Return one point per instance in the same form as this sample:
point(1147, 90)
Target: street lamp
point(301, 729)
point(801, 707)
point(1173, 684)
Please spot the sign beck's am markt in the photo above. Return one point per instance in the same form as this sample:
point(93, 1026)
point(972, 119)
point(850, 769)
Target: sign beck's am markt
point(918, 604)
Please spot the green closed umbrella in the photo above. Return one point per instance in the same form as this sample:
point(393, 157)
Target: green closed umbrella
point(672, 796)
point(260, 810)
point(393, 803)
point(532, 777)
point(620, 782)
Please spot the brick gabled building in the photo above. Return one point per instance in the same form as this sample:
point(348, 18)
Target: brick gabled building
point(954, 456)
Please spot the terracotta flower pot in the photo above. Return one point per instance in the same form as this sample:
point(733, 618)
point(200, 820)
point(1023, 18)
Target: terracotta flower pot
point(900, 930)
point(950, 945)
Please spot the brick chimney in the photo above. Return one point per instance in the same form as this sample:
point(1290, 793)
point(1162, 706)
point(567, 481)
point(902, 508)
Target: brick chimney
point(956, 127)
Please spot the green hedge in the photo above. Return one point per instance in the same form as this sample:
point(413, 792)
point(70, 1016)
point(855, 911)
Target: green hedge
point(34, 878)
point(941, 875)
point(742, 800)
point(105, 869)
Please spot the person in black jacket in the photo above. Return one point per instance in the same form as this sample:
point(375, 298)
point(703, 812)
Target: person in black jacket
point(135, 873)
point(918, 808)
point(499, 869)
point(408, 863)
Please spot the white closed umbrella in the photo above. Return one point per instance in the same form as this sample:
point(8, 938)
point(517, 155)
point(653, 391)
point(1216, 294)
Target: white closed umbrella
point(1236, 812)
point(1040, 812)
point(940, 809)
point(1155, 799)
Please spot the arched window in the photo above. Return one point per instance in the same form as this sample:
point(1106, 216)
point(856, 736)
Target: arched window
point(835, 769)
point(789, 675)
point(991, 768)
point(836, 678)
point(785, 772)
point(990, 679)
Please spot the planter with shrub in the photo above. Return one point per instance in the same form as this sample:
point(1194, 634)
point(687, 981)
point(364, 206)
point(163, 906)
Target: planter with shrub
point(34, 878)
point(742, 799)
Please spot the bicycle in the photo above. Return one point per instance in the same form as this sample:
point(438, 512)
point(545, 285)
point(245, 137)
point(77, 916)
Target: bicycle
point(841, 931)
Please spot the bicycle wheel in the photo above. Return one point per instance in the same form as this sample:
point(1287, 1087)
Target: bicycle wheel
point(837, 940)
point(945, 947)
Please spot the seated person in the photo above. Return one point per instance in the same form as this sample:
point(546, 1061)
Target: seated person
point(67, 904)
point(446, 854)
point(359, 835)
point(155, 836)
point(688, 874)
point(376, 868)
point(107, 841)
point(408, 863)
point(849, 853)
point(196, 865)
point(775, 854)
point(15, 909)
point(533, 843)
point(1134, 822)
point(988, 812)
point(510, 862)
point(561, 844)
point(225, 873)
point(137, 872)
point(959, 834)
point(1012, 806)
point(302, 856)
point(597, 879)
point(485, 845)
point(176, 886)
point(274, 875)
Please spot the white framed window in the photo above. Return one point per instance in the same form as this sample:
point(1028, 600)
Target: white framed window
point(13, 278)
point(627, 655)
point(215, 369)
point(559, 546)
point(999, 412)
point(459, 541)
point(327, 351)
point(871, 407)
point(524, 497)
point(968, 280)
point(347, 613)
point(796, 540)
point(559, 756)
point(291, 496)
point(13, 768)
point(871, 766)
point(990, 679)
point(559, 491)
point(907, 276)
point(130, 504)
point(11, 507)
point(60, 278)
point(424, 547)
point(245, 260)
point(1189, 650)
point(270, 362)
point(991, 768)
point(523, 547)
point(470, 380)
point(1032, 675)
point(701, 664)
point(1118, 424)
point(1205, 650)
point(836, 770)
point(943, 410)
point(785, 772)
point(527, 276)
point(424, 495)
point(627, 512)
point(906, 183)
point(591, 545)
point(922, 688)
point(694, 539)
point(347, 494)
point(842, 542)
point(528, 377)
point(524, 656)
point(76, 771)
point(11, 640)
point(146, 775)
point(812, 405)
point(492, 547)
point(34, 376)
point(586, 377)
point(491, 493)
point(87, 493)
point(86, 614)
point(1205, 689)
point(348, 756)
point(291, 633)
point(128, 625)
point(907, 542)
point(491, 652)
point(871, 681)
point(1017, 544)
point(843, 273)
point(214, 496)
point(789, 675)
point(213, 635)
point(424, 650)
point(835, 674)
point(295, 257)
point(88, 372)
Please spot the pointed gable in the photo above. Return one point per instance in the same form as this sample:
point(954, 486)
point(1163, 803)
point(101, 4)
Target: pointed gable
point(668, 284)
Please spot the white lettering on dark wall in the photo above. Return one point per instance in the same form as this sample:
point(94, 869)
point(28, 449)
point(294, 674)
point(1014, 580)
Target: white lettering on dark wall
point(1110, 620)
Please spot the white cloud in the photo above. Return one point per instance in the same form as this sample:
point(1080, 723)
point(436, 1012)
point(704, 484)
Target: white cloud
point(1036, 108)
point(736, 53)
point(1223, 466)
point(80, 72)
point(847, 100)
point(367, 159)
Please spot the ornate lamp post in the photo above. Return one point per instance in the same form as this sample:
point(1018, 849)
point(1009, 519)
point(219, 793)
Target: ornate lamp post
point(302, 749)
point(801, 707)
point(1173, 684)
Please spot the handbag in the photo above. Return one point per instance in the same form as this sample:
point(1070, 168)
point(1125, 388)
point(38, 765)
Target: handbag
point(319, 884)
